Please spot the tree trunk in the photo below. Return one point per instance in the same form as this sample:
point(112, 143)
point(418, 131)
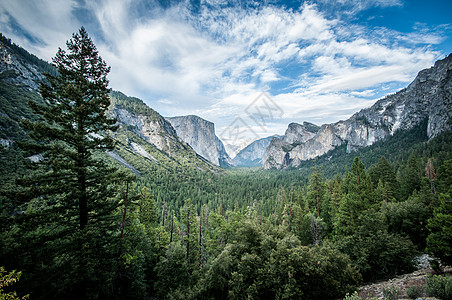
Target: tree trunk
point(125, 210)
point(188, 232)
point(172, 223)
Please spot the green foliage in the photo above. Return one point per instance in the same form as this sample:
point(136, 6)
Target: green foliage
point(174, 274)
point(134, 105)
point(355, 296)
point(148, 213)
point(245, 233)
point(375, 252)
point(414, 292)
point(439, 287)
point(266, 263)
point(408, 218)
point(65, 233)
point(410, 177)
point(383, 172)
point(8, 279)
point(439, 240)
point(391, 293)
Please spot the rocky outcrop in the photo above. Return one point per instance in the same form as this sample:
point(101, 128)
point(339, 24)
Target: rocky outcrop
point(253, 154)
point(428, 97)
point(154, 129)
point(200, 135)
point(16, 70)
point(278, 152)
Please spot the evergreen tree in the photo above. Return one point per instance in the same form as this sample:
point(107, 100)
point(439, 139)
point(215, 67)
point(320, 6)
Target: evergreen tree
point(439, 241)
point(190, 231)
point(316, 192)
point(384, 172)
point(410, 177)
point(358, 197)
point(69, 198)
point(148, 214)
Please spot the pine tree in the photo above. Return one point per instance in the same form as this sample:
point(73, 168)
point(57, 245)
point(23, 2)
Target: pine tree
point(410, 177)
point(148, 214)
point(74, 126)
point(358, 197)
point(384, 171)
point(430, 174)
point(439, 241)
point(190, 227)
point(70, 195)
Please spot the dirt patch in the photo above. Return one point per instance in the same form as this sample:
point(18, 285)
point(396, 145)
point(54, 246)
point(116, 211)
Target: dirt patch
point(398, 285)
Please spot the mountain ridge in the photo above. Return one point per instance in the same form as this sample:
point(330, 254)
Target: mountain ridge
point(427, 97)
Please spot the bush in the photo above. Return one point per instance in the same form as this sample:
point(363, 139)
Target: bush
point(439, 287)
point(379, 255)
point(414, 292)
point(391, 293)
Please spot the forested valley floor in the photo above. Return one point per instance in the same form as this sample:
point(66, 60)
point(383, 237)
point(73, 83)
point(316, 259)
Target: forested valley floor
point(76, 224)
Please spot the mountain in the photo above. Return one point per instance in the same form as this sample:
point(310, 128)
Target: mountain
point(20, 68)
point(428, 97)
point(146, 141)
point(253, 154)
point(200, 135)
point(147, 135)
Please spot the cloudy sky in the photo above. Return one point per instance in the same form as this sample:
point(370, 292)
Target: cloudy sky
point(317, 61)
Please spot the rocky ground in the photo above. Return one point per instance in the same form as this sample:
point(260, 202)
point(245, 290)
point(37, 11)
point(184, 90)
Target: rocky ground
point(397, 286)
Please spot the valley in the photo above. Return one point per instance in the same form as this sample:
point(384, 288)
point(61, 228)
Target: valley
point(312, 214)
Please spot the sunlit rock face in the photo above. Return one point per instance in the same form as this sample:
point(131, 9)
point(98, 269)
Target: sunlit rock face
point(16, 70)
point(200, 135)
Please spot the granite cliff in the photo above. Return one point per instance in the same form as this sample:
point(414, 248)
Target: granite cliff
point(200, 135)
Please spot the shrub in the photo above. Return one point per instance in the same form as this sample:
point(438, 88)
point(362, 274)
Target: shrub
point(439, 287)
point(414, 292)
point(391, 293)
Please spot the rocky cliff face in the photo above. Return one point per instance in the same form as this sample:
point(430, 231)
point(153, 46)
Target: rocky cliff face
point(154, 129)
point(200, 135)
point(14, 68)
point(253, 154)
point(278, 152)
point(429, 97)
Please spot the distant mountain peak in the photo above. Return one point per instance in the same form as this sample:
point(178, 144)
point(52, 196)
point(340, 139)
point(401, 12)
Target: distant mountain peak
point(200, 135)
point(253, 154)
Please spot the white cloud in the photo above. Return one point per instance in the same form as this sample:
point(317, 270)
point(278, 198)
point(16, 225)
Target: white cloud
point(49, 22)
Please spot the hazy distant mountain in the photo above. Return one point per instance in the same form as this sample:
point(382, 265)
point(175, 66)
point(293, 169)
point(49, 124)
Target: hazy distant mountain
point(253, 154)
point(428, 97)
point(200, 135)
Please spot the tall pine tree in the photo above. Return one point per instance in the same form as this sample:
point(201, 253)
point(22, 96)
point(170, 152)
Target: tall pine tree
point(70, 198)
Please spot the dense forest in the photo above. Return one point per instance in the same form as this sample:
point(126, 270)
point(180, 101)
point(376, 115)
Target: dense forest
point(77, 225)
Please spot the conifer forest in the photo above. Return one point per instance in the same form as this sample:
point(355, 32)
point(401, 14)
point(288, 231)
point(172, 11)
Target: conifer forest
point(78, 223)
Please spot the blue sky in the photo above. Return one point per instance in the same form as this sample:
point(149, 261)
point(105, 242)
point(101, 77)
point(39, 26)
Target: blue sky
point(317, 61)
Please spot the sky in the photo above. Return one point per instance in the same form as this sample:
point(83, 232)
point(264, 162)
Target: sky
point(251, 67)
